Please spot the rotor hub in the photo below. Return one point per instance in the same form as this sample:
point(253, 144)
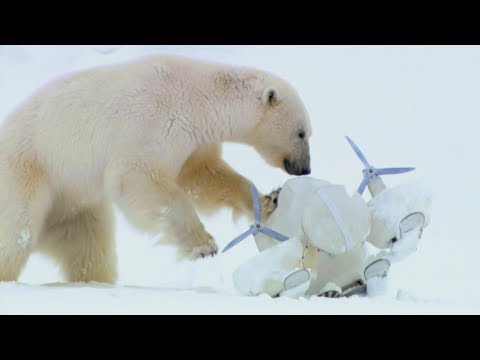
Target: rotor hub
point(370, 173)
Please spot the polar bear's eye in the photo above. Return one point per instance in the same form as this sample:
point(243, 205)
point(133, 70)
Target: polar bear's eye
point(301, 134)
point(271, 96)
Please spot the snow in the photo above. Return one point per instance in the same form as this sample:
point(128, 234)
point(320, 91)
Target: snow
point(24, 238)
point(403, 105)
point(104, 299)
point(371, 251)
point(402, 212)
point(406, 246)
point(377, 286)
point(267, 271)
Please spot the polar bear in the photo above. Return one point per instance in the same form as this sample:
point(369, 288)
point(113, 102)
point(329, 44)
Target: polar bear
point(146, 136)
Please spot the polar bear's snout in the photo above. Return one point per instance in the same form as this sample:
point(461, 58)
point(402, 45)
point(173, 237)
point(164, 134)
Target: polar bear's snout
point(294, 168)
point(297, 161)
point(298, 167)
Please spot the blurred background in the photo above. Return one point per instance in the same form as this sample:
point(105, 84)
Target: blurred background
point(403, 105)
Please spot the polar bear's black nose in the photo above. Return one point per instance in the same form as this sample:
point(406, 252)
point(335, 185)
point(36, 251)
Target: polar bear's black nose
point(294, 168)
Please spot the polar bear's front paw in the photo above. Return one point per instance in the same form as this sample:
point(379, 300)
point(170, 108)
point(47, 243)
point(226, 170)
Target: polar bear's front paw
point(199, 244)
point(204, 251)
point(269, 203)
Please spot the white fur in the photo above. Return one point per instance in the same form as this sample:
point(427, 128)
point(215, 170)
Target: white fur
point(136, 134)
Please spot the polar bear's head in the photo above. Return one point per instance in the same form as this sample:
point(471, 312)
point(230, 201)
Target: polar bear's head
point(282, 132)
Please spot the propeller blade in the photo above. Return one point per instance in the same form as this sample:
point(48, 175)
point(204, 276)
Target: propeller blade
point(363, 184)
point(254, 229)
point(390, 171)
point(273, 234)
point(256, 204)
point(239, 238)
point(358, 152)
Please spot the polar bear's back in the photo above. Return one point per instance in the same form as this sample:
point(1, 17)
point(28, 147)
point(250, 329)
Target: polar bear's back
point(73, 121)
point(158, 108)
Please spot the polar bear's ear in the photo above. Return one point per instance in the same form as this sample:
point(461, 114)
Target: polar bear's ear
point(270, 95)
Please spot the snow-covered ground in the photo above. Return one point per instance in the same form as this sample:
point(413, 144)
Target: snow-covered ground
point(403, 105)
